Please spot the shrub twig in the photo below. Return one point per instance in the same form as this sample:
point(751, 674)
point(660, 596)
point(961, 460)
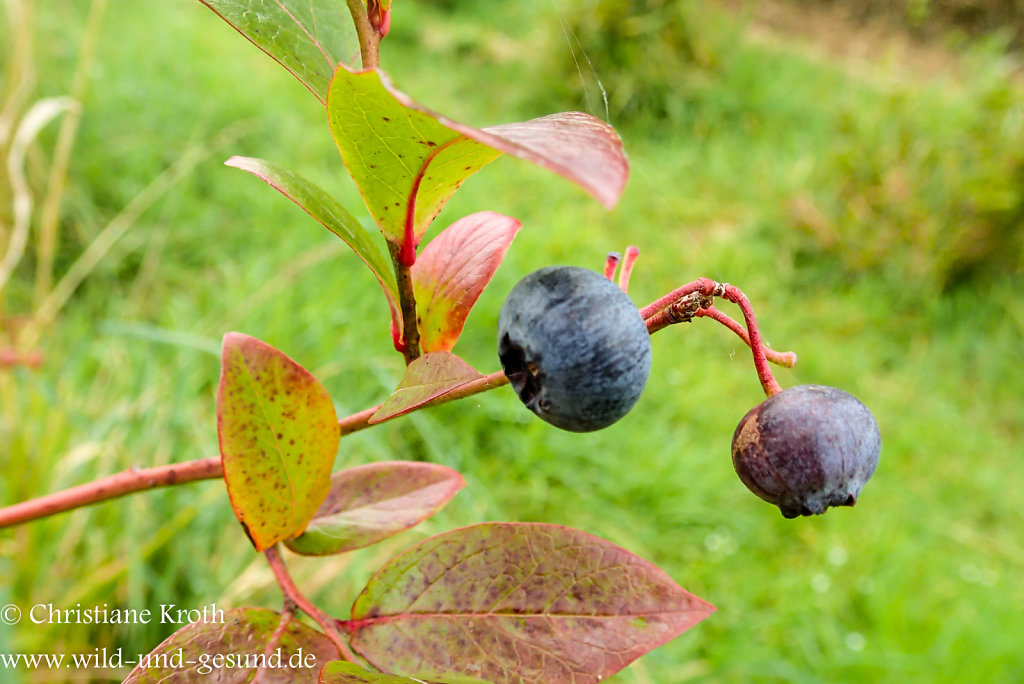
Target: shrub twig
point(111, 487)
point(137, 480)
point(690, 301)
point(291, 592)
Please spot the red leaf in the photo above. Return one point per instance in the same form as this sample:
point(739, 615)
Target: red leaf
point(430, 376)
point(453, 270)
point(231, 645)
point(369, 503)
point(575, 145)
point(515, 603)
point(278, 436)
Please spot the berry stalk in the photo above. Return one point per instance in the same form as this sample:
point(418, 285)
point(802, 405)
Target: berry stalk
point(764, 373)
point(785, 359)
point(703, 285)
point(695, 300)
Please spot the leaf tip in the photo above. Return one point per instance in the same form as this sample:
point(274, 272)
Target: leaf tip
point(235, 340)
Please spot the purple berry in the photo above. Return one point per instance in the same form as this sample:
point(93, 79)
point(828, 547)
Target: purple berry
point(574, 347)
point(807, 448)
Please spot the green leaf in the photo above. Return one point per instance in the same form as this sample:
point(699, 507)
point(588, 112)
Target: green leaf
point(339, 672)
point(453, 270)
point(404, 156)
point(371, 502)
point(325, 209)
point(278, 437)
point(307, 37)
point(229, 646)
point(518, 602)
point(430, 376)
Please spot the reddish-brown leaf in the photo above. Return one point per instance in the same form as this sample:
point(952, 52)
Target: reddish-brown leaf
point(231, 645)
point(575, 145)
point(518, 603)
point(278, 437)
point(371, 502)
point(430, 376)
point(453, 270)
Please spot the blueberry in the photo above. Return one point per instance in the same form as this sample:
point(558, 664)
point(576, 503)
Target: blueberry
point(807, 448)
point(574, 347)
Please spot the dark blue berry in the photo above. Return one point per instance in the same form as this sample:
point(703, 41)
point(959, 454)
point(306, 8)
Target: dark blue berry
point(574, 347)
point(807, 448)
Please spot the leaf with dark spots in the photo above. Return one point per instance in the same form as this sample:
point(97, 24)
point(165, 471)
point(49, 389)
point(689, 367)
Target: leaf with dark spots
point(278, 435)
point(307, 37)
point(394, 166)
point(371, 502)
point(231, 645)
point(340, 672)
point(429, 377)
point(518, 603)
point(453, 270)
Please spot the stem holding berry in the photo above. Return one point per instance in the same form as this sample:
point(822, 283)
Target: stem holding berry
point(696, 300)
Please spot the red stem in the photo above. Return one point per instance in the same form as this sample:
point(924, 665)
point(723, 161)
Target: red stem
point(764, 373)
point(291, 592)
point(686, 302)
point(702, 285)
point(111, 487)
point(786, 359)
point(137, 480)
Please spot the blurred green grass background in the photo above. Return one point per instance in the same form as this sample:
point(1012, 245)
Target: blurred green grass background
point(870, 206)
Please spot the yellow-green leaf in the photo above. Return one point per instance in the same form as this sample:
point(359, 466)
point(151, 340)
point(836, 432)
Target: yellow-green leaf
point(408, 160)
point(278, 434)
